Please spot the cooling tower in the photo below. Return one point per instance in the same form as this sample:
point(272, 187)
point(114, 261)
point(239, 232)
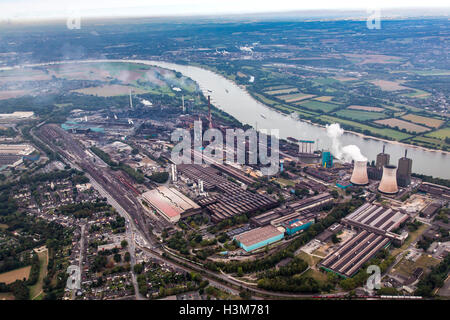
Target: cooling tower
point(388, 182)
point(359, 176)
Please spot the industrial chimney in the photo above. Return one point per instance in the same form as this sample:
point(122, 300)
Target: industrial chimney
point(388, 182)
point(209, 112)
point(359, 175)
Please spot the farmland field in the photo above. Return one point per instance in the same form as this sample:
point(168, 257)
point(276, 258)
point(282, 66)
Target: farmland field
point(18, 274)
point(366, 108)
point(360, 115)
point(387, 85)
point(429, 122)
point(324, 98)
point(440, 134)
point(393, 134)
point(318, 106)
point(408, 126)
point(281, 91)
point(295, 97)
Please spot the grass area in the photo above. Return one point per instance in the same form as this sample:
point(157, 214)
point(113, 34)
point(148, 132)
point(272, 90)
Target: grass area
point(17, 274)
point(440, 134)
point(311, 260)
point(36, 290)
point(407, 267)
point(325, 81)
point(429, 142)
point(281, 91)
point(315, 274)
point(318, 106)
point(393, 134)
point(411, 238)
point(418, 94)
point(360, 115)
point(286, 182)
point(428, 121)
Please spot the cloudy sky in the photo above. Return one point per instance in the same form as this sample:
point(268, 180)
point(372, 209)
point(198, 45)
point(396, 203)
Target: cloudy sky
point(43, 9)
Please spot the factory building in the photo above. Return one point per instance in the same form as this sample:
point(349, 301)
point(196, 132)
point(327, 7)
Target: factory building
point(404, 171)
point(354, 253)
point(377, 219)
point(343, 184)
point(170, 203)
point(297, 225)
point(259, 237)
point(359, 175)
point(327, 159)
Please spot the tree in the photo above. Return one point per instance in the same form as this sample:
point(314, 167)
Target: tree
point(117, 257)
point(127, 257)
point(124, 243)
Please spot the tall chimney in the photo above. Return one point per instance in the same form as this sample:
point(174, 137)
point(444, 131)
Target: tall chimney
point(209, 112)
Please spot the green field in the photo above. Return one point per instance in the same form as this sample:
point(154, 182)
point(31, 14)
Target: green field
point(318, 106)
point(440, 134)
point(360, 115)
point(36, 290)
point(391, 133)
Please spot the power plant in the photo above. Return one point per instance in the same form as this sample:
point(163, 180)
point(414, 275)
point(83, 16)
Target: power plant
point(388, 183)
point(404, 170)
point(359, 175)
point(209, 113)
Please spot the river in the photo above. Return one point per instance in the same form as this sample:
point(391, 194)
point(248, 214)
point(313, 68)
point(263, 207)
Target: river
point(236, 101)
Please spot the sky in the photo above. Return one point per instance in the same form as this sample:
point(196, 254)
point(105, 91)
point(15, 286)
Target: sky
point(49, 9)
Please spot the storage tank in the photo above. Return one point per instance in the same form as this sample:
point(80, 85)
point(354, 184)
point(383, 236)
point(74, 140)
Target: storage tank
point(388, 183)
point(359, 175)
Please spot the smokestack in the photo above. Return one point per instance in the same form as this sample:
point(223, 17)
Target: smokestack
point(209, 112)
point(174, 172)
point(200, 186)
point(131, 101)
point(388, 182)
point(406, 153)
point(384, 146)
point(182, 99)
point(359, 175)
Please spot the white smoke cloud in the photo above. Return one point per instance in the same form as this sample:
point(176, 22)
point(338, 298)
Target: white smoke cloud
point(346, 153)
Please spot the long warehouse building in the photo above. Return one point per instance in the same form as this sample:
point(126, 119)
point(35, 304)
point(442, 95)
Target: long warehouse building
point(259, 237)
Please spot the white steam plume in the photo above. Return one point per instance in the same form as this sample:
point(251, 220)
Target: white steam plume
point(346, 153)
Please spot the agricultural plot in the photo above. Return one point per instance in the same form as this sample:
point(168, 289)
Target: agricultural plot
point(440, 134)
point(390, 133)
point(366, 108)
point(295, 97)
point(418, 94)
point(17, 274)
point(401, 124)
point(429, 122)
point(281, 91)
point(387, 85)
point(324, 98)
point(318, 106)
point(360, 115)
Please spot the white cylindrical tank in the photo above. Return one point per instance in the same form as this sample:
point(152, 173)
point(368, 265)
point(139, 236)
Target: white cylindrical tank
point(388, 183)
point(359, 175)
